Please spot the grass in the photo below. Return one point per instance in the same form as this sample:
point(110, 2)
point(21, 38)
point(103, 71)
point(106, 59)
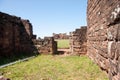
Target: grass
point(63, 43)
point(48, 67)
point(12, 58)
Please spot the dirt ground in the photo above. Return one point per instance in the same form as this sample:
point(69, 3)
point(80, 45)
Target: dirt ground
point(64, 52)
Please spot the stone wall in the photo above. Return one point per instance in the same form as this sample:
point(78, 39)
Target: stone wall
point(46, 45)
point(103, 17)
point(28, 27)
point(60, 36)
point(15, 35)
point(78, 40)
point(34, 37)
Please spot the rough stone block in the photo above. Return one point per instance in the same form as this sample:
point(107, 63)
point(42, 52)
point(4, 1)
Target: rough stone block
point(78, 40)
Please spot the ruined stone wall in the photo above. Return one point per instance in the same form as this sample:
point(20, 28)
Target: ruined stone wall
point(46, 45)
point(28, 27)
point(34, 36)
point(78, 40)
point(60, 36)
point(15, 35)
point(103, 17)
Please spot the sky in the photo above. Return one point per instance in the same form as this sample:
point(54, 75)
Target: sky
point(48, 16)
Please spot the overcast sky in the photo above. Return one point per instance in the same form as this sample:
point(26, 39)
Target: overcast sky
point(48, 16)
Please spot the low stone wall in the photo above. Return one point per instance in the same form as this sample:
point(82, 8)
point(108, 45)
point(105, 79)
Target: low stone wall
point(78, 40)
point(46, 45)
point(103, 18)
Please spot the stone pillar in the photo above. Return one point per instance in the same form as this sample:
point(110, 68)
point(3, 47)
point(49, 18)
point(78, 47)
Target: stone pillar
point(78, 40)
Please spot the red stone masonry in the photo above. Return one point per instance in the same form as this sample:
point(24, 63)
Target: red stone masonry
point(103, 18)
point(46, 45)
point(15, 35)
point(28, 27)
point(78, 41)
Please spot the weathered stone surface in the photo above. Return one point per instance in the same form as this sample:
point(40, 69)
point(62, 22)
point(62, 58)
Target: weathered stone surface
point(103, 18)
point(46, 45)
point(60, 36)
point(28, 27)
point(78, 40)
point(15, 35)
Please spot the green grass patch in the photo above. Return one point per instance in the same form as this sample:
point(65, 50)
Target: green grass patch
point(48, 67)
point(63, 43)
